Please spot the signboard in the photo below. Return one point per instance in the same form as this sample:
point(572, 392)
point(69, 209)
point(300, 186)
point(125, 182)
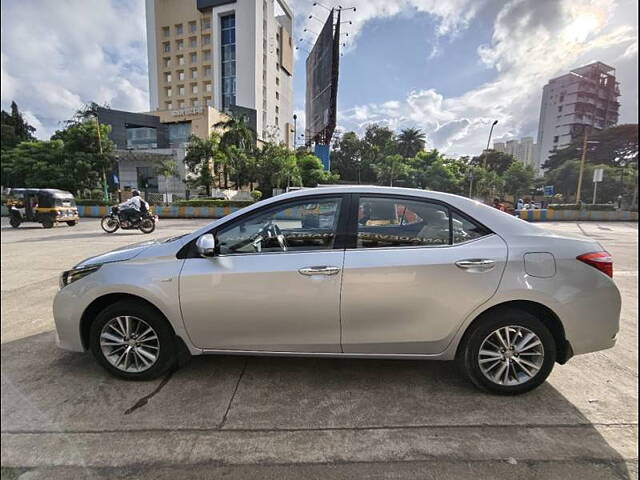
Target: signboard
point(183, 112)
point(598, 175)
point(322, 83)
point(549, 191)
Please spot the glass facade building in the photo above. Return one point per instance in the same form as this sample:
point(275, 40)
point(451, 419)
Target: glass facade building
point(228, 44)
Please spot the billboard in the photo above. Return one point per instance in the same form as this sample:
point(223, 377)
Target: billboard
point(322, 84)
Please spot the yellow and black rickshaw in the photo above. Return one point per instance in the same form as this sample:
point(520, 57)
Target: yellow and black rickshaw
point(47, 206)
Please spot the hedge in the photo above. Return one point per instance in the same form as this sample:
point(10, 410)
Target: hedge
point(90, 202)
point(599, 207)
point(211, 203)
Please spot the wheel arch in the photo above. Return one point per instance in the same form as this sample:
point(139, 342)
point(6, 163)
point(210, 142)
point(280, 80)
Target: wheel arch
point(102, 302)
point(543, 313)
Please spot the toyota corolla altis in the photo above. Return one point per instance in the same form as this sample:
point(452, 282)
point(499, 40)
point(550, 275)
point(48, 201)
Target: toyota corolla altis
point(369, 272)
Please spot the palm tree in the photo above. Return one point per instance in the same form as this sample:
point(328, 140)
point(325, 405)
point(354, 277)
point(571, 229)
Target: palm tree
point(237, 133)
point(167, 169)
point(201, 152)
point(411, 141)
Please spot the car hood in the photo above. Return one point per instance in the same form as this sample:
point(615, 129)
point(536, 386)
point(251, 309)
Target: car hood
point(119, 254)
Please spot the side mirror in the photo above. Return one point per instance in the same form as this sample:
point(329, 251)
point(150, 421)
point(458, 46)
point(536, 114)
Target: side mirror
point(206, 245)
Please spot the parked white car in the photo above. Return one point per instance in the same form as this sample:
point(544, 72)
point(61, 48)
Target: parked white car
point(349, 272)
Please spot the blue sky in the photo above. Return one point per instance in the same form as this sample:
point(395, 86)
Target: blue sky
point(447, 67)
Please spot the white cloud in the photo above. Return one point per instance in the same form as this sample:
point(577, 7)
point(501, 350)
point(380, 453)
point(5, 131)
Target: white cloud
point(532, 42)
point(58, 55)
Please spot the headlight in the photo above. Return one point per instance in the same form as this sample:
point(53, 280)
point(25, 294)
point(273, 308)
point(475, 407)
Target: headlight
point(74, 274)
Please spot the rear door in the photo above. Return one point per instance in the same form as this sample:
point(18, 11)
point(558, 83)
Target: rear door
point(414, 272)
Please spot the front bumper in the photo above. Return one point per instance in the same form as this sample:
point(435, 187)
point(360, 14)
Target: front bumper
point(67, 315)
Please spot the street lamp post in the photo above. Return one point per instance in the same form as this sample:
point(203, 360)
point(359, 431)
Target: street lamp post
point(495, 122)
point(295, 130)
point(583, 161)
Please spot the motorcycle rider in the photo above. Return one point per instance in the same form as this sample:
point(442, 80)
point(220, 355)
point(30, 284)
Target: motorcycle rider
point(131, 210)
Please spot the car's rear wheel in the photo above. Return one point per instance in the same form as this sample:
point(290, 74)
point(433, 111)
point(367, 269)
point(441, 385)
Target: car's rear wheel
point(508, 352)
point(15, 221)
point(47, 223)
point(133, 341)
point(72, 223)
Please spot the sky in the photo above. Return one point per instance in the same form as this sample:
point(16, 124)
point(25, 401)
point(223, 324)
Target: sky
point(449, 68)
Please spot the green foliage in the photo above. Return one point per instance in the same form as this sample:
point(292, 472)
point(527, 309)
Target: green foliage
point(312, 171)
point(14, 128)
point(498, 162)
point(256, 195)
point(211, 203)
point(598, 207)
point(276, 167)
point(203, 157)
point(411, 141)
point(390, 168)
point(89, 202)
point(518, 179)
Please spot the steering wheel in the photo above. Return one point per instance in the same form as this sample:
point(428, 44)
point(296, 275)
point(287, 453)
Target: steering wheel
point(269, 230)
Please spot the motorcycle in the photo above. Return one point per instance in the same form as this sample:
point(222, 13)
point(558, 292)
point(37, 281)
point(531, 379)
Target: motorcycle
point(145, 222)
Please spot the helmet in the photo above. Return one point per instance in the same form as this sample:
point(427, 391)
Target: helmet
point(135, 193)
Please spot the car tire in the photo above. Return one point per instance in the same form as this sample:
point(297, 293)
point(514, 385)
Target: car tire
point(14, 221)
point(107, 351)
point(72, 223)
point(47, 223)
point(485, 365)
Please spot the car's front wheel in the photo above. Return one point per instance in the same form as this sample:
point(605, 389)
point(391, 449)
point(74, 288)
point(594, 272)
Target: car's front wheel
point(133, 341)
point(508, 352)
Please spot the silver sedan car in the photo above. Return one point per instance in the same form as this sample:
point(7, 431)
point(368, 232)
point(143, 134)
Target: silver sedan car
point(368, 272)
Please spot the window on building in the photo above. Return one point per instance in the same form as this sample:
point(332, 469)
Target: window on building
point(193, 42)
point(228, 45)
point(194, 88)
point(141, 137)
point(207, 71)
point(560, 108)
point(179, 44)
point(168, 92)
point(179, 133)
point(206, 55)
point(277, 121)
point(166, 31)
point(277, 81)
point(192, 27)
point(179, 29)
point(166, 47)
point(168, 105)
point(206, 39)
point(193, 58)
point(277, 96)
point(555, 139)
point(167, 77)
point(147, 179)
point(180, 74)
point(181, 90)
point(277, 109)
point(208, 87)
point(194, 102)
point(180, 59)
point(208, 101)
point(166, 61)
point(194, 73)
point(180, 103)
point(206, 23)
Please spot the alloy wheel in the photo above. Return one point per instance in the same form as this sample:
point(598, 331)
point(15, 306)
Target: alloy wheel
point(511, 355)
point(130, 344)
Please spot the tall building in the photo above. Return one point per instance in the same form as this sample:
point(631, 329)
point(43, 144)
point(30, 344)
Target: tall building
point(523, 150)
point(586, 96)
point(231, 55)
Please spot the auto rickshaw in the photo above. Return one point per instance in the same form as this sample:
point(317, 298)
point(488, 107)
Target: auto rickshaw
point(47, 206)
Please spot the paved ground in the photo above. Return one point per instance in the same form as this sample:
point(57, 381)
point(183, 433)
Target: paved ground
point(63, 417)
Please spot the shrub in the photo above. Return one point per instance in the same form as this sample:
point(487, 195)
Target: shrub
point(90, 202)
point(211, 203)
point(256, 195)
point(585, 206)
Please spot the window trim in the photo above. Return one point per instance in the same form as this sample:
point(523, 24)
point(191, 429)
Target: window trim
point(189, 250)
point(351, 243)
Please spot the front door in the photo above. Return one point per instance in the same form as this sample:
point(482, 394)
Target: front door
point(414, 276)
point(274, 284)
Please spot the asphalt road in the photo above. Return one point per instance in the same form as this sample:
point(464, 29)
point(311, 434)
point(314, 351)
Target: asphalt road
point(63, 417)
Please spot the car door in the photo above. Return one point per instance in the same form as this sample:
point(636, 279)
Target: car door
point(253, 295)
point(416, 270)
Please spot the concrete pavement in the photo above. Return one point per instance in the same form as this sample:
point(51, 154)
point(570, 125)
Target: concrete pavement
point(237, 417)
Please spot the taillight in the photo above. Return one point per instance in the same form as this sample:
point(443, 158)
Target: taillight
point(600, 260)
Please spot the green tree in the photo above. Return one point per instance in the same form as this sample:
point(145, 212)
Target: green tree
point(236, 133)
point(348, 162)
point(276, 168)
point(390, 168)
point(440, 177)
point(167, 169)
point(410, 142)
point(200, 158)
point(14, 128)
point(312, 171)
point(494, 161)
point(518, 179)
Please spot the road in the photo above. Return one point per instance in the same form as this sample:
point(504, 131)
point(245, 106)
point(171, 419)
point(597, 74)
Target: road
point(63, 417)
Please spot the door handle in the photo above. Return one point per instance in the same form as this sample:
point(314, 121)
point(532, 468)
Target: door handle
point(320, 270)
point(476, 264)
